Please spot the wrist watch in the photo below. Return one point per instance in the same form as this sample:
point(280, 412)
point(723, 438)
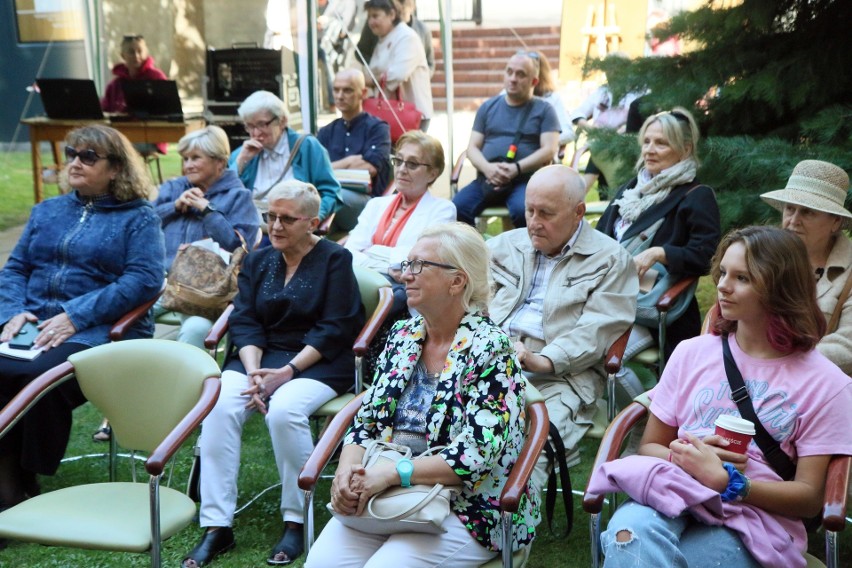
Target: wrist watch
point(209, 209)
point(405, 468)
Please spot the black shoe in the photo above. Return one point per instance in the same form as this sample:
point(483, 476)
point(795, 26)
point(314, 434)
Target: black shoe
point(291, 545)
point(211, 545)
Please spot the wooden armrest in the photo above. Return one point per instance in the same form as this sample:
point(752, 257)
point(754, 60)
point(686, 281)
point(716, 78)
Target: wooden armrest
point(325, 226)
point(328, 443)
point(668, 299)
point(457, 168)
point(538, 428)
point(615, 354)
point(156, 462)
point(372, 326)
point(117, 331)
point(32, 393)
point(610, 448)
point(219, 329)
point(836, 491)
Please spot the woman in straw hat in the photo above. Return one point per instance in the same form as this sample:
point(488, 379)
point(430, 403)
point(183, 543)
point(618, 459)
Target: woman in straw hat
point(811, 206)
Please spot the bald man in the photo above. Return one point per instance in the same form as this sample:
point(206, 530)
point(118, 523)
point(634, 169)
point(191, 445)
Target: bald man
point(356, 141)
point(564, 292)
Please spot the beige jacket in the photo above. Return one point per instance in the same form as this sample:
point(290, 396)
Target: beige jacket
point(590, 301)
point(837, 346)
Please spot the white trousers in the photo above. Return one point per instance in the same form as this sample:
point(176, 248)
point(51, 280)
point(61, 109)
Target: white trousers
point(221, 439)
point(342, 547)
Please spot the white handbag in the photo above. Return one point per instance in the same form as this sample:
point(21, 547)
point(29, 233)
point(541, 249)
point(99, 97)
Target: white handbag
point(419, 508)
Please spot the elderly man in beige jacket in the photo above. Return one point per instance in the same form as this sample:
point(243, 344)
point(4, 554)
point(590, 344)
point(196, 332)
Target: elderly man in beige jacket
point(565, 293)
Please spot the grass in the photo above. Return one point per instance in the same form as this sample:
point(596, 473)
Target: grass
point(259, 526)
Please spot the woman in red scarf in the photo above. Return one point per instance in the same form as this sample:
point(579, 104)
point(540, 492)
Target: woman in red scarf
point(390, 225)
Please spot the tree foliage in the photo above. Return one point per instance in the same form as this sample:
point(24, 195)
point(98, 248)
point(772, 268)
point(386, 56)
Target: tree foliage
point(769, 83)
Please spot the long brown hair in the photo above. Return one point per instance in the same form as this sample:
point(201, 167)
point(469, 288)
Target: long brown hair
point(781, 273)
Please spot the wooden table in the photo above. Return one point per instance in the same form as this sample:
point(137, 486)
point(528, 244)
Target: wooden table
point(43, 129)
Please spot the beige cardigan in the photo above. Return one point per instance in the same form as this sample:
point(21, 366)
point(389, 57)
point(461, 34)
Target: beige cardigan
point(837, 346)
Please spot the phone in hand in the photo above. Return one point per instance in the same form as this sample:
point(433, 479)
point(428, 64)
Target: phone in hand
point(25, 338)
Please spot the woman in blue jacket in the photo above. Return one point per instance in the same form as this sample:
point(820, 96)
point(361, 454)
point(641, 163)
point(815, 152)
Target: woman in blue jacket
point(83, 260)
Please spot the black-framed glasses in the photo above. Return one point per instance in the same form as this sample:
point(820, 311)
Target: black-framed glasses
point(409, 164)
point(271, 218)
point(259, 125)
point(416, 266)
point(88, 157)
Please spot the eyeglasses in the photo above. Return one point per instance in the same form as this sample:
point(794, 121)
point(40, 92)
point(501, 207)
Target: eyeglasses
point(88, 157)
point(409, 165)
point(271, 218)
point(416, 266)
point(259, 125)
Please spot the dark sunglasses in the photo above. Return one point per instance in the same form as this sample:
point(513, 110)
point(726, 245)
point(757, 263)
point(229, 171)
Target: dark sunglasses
point(88, 157)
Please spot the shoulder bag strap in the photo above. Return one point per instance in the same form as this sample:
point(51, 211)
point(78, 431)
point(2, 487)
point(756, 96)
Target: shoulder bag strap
point(523, 119)
point(844, 295)
point(780, 462)
point(293, 151)
point(554, 449)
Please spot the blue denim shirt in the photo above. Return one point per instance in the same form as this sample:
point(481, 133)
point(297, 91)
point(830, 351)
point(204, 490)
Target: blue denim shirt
point(93, 260)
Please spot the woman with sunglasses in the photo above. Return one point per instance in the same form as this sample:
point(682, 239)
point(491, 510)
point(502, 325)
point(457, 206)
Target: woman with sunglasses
point(83, 260)
point(447, 381)
point(295, 319)
point(389, 225)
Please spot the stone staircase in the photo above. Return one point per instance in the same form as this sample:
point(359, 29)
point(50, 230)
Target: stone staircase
point(479, 57)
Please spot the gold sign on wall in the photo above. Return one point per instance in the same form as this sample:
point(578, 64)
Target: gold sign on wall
point(49, 20)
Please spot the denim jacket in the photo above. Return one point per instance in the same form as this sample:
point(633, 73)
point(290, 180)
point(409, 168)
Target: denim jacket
point(93, 260)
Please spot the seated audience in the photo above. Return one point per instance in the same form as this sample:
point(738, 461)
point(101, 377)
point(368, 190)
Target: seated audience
point(398, 59)
point(295, 318)
point(564, 292)
point(84, 259)
point(435, 389)
point(812, 207)
point(356, 141)
point(390, 225)
point(735, 509)
point(513, 136)
point(261, 161)
point(209, 201)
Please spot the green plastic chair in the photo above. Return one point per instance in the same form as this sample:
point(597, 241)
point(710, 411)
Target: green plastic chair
point(154, 393)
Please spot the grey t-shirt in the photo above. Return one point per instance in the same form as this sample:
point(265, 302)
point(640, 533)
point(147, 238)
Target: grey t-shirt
point(498, 122)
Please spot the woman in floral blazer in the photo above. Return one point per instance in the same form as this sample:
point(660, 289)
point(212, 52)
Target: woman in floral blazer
point(447, 379)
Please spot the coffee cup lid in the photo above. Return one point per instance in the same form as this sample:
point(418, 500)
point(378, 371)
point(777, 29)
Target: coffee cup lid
point(735, 424)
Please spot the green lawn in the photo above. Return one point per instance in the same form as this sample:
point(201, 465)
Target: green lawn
point(258, 528)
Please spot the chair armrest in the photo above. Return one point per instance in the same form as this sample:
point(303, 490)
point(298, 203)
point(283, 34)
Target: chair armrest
point(615, 354)
point(372, 326)
point(117, 331)
point(455, 173)
point(158, 459)
point(219, 329)
point(836, 491)
point(538, 428)
point(328, 443)
point(32, 393)
point(325, 226)
point(610, 448)
point(668, 299)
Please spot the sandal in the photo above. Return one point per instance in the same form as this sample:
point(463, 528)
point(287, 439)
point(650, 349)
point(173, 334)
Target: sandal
point(102, 434)
point(291, 546)
point(211, 545)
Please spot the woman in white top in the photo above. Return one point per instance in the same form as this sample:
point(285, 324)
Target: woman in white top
point(399, 58)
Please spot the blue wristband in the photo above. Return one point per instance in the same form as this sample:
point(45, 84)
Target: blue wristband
point(738, 484)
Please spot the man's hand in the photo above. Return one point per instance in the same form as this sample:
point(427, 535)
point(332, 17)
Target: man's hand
point(533, 362)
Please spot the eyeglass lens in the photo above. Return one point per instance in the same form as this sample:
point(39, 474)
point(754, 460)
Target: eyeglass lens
point(87, 157)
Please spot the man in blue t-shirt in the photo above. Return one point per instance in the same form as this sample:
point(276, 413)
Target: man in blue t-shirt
point(356, 141)
point(513, 136)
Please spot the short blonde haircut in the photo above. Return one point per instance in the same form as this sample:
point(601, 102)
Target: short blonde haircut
point(210, 141)
point(430, 146)
point(679, 128)
point(305, 194)
point(460, 245)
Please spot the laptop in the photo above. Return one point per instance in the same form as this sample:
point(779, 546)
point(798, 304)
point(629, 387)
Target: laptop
point(152, 100)
point(75, 99)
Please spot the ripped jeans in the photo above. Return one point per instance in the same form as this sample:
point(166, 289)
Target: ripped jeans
point(660, 542)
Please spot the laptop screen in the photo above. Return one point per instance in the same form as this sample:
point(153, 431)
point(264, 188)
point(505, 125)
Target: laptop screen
point(75, 99)
point(150, 99)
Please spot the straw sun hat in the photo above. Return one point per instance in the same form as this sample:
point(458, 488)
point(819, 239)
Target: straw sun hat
point(814, 184)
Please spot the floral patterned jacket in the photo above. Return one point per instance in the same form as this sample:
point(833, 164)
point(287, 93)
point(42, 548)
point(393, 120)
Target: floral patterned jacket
point(477, 414)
